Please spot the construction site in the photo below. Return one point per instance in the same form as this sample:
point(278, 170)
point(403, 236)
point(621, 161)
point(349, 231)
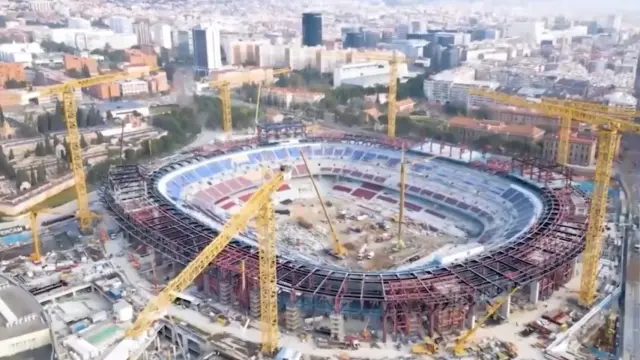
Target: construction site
point(331, 245)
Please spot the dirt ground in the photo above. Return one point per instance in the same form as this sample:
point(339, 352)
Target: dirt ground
point(357, 226)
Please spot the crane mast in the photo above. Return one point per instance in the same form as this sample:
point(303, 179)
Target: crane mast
point(609, 129)
point(403, 175)
point(66, 91)
point(338, 247)
point(259, 206)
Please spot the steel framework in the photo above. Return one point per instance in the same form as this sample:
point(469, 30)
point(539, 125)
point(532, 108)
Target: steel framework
point(445, 293)
point(67, 91)
point(258, 205)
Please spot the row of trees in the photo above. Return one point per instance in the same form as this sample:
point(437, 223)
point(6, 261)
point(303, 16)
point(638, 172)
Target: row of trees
point(49, 122)
point(35, 177)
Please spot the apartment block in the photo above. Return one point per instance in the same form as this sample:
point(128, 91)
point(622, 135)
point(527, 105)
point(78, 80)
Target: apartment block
point(158, 83)
point(582, 149)
point(133, 87)
point(471, 129)
point(105, 91)
point(11, 71)
point(291, 96)
point(139, 58)
point(78, 63)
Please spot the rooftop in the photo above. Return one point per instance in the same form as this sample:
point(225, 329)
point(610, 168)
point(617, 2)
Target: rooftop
point(19, 305)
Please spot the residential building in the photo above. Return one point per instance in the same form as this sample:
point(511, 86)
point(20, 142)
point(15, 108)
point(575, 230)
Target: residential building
point(243, 52)
point(637, 82)
point(405, 106)
point(311, 29)
point(471, 129)
point(21, 53)
point(79, 23)
point(93, 38)
point(137, 57)
point(106, 91)
point(182, 43)
point(207, 53)
point(132, 87)
point(143, 32)
point(510, 115)
point(253, 75)
point(78, 63)
point(41, 6)
point(622, 100)
point(137, 70)
point(158, 82)
point(287, 96)
point(366, 74)
point(452, 86)
point(162, 35)
point(120, 24)
point(11, 71)
point(582, 149)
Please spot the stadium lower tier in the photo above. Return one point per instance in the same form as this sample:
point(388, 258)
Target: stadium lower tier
point(429, 301)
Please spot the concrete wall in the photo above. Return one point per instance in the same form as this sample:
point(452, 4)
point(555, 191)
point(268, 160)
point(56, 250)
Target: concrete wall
point(27, 201)
point(25, 342)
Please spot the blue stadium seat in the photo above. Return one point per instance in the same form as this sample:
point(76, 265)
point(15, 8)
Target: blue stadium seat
point(294, 152)
point(281, 154)
point(328, 151)
point(357, 155)
point(369, 157)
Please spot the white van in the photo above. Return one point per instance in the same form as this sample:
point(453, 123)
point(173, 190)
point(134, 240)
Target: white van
point(636, 247)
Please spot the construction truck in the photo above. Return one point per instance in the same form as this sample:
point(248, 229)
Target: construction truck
point(428, 347)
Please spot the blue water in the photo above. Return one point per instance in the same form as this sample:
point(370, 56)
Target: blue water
point(16, 238)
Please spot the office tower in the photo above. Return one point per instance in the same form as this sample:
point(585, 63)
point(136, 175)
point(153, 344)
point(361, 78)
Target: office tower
point(416, 27)
point(143, 32)
point(207, 54)
point(354, 40)
point(120, 24)
point(614, 22)
point(162, 35)
point(401, 31)
point(311, 29)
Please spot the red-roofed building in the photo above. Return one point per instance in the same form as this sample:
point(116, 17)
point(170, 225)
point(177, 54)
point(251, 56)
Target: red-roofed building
point(471, 129)
point(582, 149)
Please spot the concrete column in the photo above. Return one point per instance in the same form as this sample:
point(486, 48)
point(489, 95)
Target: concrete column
point(534, 292)
point(337, 326)
point(470, 322)
point(206, 283)
point(505, 309)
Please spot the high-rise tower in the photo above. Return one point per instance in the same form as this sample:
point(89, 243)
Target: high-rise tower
point(311, 29)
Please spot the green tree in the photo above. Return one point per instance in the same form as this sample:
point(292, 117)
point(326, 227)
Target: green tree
point(85, 71)
point(39, 151)
point(15, 84)
point(42, 174)
point(482, 113)
point(32, 177)
point(48, 149)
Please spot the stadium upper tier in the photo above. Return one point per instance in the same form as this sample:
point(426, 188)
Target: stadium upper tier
point(536, 237)
point(504, 209)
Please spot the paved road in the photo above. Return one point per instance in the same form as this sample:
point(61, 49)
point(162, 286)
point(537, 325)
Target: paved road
point(631, 320)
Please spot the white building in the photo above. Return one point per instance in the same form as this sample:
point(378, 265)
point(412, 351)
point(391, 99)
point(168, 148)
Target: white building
point(453, 86)
point(19, 52)
point(143, 31)
point(528, 31)
point(614, 22)
point(41, 6)
point(131, 87)
point(621, 99)
point(401, 31)
point(120, 24)
point(79, 23)
point(162, 35)
point(366, 74)
point(93, 38)
point(207, 53)
point(411, 47)
point(240, 51)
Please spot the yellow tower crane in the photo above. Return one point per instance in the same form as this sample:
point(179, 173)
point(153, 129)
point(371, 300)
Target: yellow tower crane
point(259, 206)
point(608, 135)
point(394, 59)
point(339, 249)
point(461, 342)
point(403, 175)
point(67, 90)
point(224, 86)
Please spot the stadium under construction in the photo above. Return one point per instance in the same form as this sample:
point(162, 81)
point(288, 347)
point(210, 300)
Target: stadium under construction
point(510, 231)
